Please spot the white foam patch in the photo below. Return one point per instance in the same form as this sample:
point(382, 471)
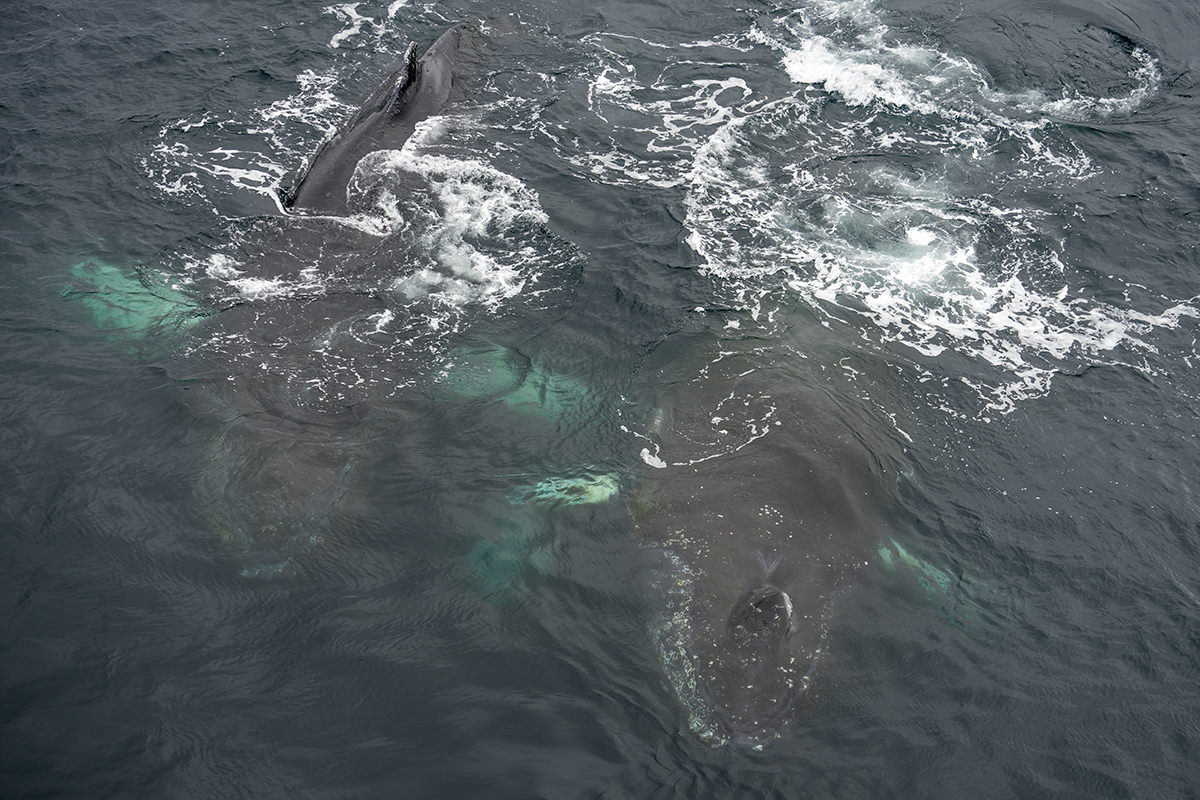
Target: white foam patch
point(668, 121)
point(1076, 107)
point(221, 267)
point(366, 26)
point(856, 76)
point(859, 244)
point(235, 285)
point(349, 16)
point(907, 255)
point(316, 103)
point(651, 459)
point(477, 234)
point(873, 214)
point(183, 167)
point(260, 180)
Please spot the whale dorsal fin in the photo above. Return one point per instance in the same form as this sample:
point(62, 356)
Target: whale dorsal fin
point(405, 80)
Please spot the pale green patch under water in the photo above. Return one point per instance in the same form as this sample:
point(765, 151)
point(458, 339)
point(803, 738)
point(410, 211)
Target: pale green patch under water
point(484, 372)
point(479, 372)
point(131, 303)
point(955, 596)
point(505, 565)
point(568, 491)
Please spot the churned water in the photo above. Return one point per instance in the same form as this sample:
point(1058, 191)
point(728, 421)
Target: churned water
point(887, 306)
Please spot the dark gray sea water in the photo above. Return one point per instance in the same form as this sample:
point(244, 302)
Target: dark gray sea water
point(893, 303)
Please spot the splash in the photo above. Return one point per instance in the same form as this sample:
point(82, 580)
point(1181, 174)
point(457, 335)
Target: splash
point(893, 189)
point(447, 238)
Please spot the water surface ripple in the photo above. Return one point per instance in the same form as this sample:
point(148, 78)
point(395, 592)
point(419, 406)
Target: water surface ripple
point(673, 301)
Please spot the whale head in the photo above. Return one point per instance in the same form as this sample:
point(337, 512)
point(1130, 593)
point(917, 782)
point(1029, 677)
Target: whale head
point(742, 660)
point(760, 671)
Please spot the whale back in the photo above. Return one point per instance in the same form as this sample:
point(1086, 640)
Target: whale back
point(417, 89)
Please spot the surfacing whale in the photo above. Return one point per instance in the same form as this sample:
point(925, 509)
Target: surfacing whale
point(415, 91)
point(279, 466)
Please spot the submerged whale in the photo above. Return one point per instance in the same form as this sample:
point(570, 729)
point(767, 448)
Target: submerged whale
point(766, 491)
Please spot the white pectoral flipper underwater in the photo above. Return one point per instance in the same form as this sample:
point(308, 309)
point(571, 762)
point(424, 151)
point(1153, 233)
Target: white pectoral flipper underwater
point(129, 304)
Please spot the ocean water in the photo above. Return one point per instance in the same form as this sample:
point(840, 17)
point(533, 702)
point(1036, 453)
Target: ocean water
point(424, 502)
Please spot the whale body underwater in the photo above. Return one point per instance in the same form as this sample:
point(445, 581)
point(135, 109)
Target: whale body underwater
point(764, 494)
point(278, 465)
